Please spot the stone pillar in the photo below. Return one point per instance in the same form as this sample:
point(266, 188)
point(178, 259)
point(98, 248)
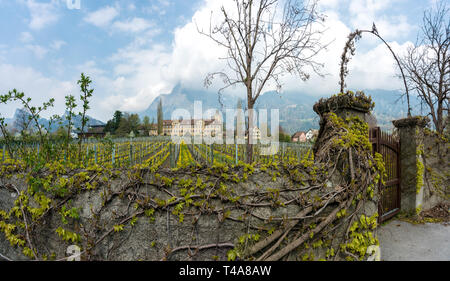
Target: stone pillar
point(411, 135)
point(344, 106)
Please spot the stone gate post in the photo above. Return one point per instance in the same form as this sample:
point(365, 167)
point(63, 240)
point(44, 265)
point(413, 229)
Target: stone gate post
point(344, 106)
point(411, 133)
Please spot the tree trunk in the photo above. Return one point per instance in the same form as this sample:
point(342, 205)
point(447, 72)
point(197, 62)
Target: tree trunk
point(250, 126)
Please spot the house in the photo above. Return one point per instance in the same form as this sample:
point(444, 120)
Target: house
point(255, 133)
point(214, 126)
point(167, 127)
point(312, 134)
point(153, 130)
point(192, 127)
point(146, 130)
point(197, 127)
point(96, 131)
point(299, 137)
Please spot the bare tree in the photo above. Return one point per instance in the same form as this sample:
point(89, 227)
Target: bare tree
point(427, 64)
point(266, 39)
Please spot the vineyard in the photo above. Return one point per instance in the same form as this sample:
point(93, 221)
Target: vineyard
point(154, 152)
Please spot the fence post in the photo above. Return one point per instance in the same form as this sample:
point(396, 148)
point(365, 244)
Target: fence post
point(95, 153)
point(131, 154)
point(174, 155)
point(113, 157)
point(118, 154)
point(171, 154)
point(236, 153)
point(178, 153)
point(86, 158)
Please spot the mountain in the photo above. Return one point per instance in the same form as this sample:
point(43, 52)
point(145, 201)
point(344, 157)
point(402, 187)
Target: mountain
point(21, 116)
point(295, 108)
point(76, 121)
point(181, 98)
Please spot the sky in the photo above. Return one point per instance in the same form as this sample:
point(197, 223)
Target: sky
point(135, 50)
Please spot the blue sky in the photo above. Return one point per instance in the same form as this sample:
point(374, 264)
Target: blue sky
point(136, 50)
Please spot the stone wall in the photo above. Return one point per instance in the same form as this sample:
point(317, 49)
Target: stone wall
point(436, 160)
point(266, 204)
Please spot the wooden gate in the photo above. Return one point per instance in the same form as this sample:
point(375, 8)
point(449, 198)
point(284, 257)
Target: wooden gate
point(389, 148)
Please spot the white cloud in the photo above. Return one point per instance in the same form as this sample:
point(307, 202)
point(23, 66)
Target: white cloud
point(131, 7)
point(377, 68)
point(26, 37)
point(3, 52)
point(160, 7)
point(35, 85)
point(144, 69)
point(90, 68)
point(332, 4)
point(194, 55)
point(363, 13)
point(102, 17)
point(395, 27)
point(37, 50)
point(335, 34)
point(42, 14)
point(138, 77)
point(141, 71)
point(133, 25)
point(57, 44)
point(370, 68)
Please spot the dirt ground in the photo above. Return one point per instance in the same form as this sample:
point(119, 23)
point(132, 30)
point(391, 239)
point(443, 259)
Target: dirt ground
point(440, 212)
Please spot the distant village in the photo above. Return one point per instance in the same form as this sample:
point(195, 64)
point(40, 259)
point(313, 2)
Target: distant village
point(124, 125)
point(196, 127)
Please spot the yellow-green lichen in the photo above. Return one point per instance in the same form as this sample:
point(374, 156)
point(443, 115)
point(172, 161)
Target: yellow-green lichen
point(420, 171)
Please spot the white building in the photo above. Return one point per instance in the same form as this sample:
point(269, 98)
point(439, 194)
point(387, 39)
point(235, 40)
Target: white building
point(311, 134)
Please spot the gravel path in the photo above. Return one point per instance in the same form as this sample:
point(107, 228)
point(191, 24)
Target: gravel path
point(403, 241)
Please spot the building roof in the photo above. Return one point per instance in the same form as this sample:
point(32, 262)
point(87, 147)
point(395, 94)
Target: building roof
point(96, 130)
point(189, 121)
point(298, 134)
point(208, 122)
